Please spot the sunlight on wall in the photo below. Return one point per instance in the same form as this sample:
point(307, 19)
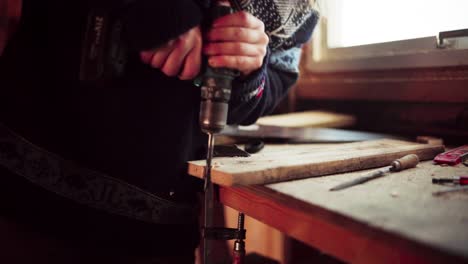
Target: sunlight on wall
point(358, 22)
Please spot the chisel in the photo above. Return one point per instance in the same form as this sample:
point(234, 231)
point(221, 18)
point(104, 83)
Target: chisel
point(406, 162)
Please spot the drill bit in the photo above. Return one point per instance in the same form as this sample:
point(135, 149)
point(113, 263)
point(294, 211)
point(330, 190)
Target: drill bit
point(208, 188)
point(215, 95)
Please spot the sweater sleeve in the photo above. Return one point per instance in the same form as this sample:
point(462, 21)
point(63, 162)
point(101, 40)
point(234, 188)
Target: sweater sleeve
point(260, 93)
point(150, 23)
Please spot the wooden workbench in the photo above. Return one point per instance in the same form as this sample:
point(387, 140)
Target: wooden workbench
point(394, 219)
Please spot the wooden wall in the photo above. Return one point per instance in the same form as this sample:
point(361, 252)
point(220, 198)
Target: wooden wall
point(419, 101)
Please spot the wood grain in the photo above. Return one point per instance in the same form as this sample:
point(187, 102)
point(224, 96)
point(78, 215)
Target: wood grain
point(424, 91)
point(303, 161)
point(401, 85)
point(346, 237)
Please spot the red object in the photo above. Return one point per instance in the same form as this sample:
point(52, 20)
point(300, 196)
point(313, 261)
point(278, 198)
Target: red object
point(452, 157)
point(260, 89)
point(238, 257)
point(463, 180)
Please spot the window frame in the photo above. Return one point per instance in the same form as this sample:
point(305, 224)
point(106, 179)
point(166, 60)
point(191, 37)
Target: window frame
point(436, 74)
point(424, 52)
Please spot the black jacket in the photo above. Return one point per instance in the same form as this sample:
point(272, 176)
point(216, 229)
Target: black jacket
point(141, 129)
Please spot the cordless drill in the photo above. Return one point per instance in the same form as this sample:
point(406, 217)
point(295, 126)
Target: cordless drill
point(216, 87)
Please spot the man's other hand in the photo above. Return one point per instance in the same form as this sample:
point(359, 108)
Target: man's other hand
point(180, 56)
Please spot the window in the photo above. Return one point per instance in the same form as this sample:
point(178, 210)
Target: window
point(368, 34)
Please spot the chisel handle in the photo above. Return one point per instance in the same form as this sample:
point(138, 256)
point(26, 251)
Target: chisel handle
point(408, 161)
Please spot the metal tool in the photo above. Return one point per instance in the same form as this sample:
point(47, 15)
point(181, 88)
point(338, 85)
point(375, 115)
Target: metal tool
point(300, 135)
point(408, 161)
point(220, 151)
point(239, 244)
point(460, 180)
point(254, 146)
point(215, 95)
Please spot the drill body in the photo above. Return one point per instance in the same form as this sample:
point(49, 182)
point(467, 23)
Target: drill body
point(216, 88)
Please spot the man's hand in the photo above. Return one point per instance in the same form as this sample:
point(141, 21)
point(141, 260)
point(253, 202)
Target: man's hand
point(180, 56)
point(237, 41)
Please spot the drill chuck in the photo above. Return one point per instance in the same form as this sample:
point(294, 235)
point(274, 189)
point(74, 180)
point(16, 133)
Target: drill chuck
point(213, 116)
point(216, 89)
point(215, 95)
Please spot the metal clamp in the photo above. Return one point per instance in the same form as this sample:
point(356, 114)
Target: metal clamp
point(221, 233)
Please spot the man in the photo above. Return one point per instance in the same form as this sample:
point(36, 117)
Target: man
point(126, 197)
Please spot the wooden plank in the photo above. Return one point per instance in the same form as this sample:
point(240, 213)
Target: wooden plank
point(308, 119)
point(302, 161)
point(412, 119)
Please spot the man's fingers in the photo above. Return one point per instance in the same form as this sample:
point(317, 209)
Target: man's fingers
point(254, 36)
point(239, 19)
point(173, 64)
point(192, 61)
point(146, 56)
point(162, 52)
point(191, 65)
point(160, 55)
point(234, 48)
point(159, 58)
point(244, 64)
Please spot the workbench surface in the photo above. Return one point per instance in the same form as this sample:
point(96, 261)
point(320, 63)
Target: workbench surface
point(394, 219)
